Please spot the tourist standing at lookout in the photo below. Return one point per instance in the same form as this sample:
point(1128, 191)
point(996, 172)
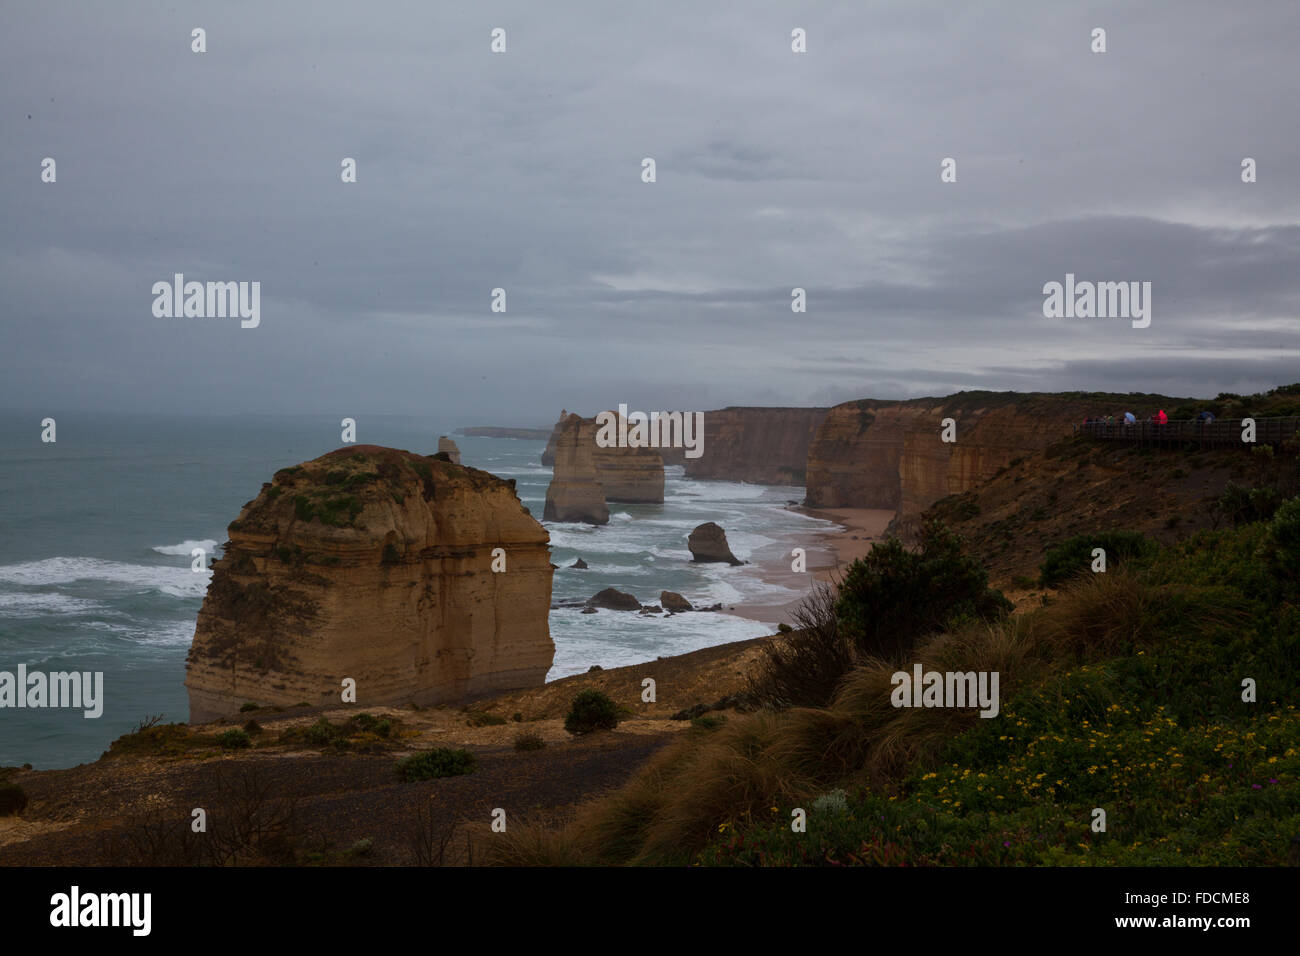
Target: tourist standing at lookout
point(1162, 418)
point(1130, 418)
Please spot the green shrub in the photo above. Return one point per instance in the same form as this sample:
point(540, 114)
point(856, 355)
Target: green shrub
point(439, 762)
point(247, 707)
point(1074, 555)
point(893, 596)
point(784, 628)
point(253, 728)
point(1284, 537)
point(1242, 505)
point(13, 799)
point(591, 710)
point(805, 668)
point(518, 717)
point(234, 739)
point(152, 737)
point(481, 718)
point(529, 742)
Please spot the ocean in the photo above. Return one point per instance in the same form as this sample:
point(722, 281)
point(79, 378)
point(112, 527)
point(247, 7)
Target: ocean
point(96, 532)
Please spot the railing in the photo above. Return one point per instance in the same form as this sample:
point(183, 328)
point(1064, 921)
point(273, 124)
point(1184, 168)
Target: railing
point(1268, 431)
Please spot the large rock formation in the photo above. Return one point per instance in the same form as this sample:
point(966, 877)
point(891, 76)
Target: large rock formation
point(763, 445)
point(449, 448)
point(625, 474)
point(891, 455)
point(630, 474)
point(575, 492)
point(708, 542)
point(377, 565)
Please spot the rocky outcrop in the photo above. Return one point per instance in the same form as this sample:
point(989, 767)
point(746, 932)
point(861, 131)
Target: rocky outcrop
point(672, 601)
point(614, 600)
point(762, 445)
point(448, 447)
point(708, 542)
point(634, 475)
point(575, 492)
point(376, 565)
point(891, 455)
point(580, 564)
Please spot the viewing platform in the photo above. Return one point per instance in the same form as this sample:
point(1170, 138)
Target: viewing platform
point(1268, 431)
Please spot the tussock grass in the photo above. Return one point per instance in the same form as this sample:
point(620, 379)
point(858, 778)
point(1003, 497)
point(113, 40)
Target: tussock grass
point(770, 758)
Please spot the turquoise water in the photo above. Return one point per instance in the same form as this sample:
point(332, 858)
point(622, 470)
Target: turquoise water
point(96, 532)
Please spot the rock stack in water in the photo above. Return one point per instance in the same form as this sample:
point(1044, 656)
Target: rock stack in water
point(627, 474)
point(376, 565)
point(575, 492)
point(708, 542)
point(449, 447)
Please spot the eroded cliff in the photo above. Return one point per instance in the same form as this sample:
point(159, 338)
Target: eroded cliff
point(891, 454)
point(762, 445)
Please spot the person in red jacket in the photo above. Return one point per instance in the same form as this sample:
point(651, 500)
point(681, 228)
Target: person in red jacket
point(1162, 418)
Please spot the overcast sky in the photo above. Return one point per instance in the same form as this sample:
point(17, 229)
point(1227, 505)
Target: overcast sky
point(522, 170)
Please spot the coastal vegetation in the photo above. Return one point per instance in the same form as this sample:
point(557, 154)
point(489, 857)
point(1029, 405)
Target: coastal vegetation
point(1159, 692)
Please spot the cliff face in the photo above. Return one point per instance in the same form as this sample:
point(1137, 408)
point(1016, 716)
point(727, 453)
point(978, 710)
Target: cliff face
point(575, 492)
point(630, 474)
point(763, 445)
point(882, 454)
point(373, 564)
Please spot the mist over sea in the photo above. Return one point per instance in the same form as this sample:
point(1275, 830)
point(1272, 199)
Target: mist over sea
point(96, 532)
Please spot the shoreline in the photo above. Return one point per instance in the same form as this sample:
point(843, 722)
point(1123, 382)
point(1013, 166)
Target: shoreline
point(828, 553)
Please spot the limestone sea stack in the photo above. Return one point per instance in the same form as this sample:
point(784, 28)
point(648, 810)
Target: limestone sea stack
point(448, 446)
point(575, 492)
point(627, 474)
point(377, 565)
point(630, 474)
point(708, 542)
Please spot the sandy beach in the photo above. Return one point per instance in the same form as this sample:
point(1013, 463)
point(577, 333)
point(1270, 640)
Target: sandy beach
point(828, 553)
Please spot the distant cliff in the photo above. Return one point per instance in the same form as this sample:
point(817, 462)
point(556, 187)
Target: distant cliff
point(890, 454)
point(763, 445)
point(492, 431)
point(377, 565)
